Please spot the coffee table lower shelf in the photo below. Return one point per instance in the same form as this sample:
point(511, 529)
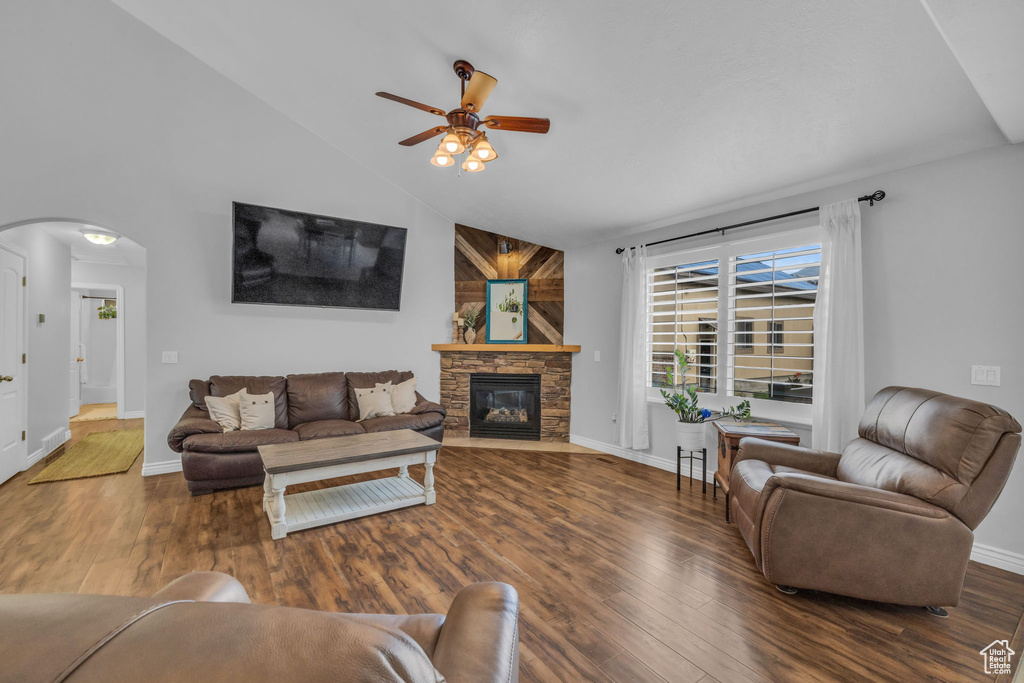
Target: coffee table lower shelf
point(297, 511)
point(326, 506)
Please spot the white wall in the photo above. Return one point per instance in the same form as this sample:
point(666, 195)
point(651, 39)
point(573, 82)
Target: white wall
point(943, 290)
point(133, 313)
point(114, 125)
point(48, 269)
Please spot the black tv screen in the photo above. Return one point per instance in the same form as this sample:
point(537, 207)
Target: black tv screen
point(300, 259)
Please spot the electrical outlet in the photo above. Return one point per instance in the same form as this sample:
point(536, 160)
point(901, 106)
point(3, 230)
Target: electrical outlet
point(169, 357)
point(985, 375)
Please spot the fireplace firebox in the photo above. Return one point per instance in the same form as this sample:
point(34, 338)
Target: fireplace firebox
point(504, 406)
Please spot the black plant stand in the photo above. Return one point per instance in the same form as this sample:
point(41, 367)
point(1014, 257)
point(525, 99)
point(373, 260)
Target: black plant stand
point(703, 457)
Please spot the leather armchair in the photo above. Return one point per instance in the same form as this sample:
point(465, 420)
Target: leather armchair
point(890, 519)
point(182, 634)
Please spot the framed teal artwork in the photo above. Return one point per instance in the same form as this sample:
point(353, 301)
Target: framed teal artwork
point(506, 311)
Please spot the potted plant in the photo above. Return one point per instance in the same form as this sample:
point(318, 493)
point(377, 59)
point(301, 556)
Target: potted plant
point(470, 317)
point(690, 426)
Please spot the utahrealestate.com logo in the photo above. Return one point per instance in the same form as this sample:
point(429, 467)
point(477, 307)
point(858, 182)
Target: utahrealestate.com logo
point(997, 657)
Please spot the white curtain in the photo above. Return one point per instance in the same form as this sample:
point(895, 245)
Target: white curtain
point(632, 399)
point(839, 331)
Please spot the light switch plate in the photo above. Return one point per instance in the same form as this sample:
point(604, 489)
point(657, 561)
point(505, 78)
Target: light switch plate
point(985, 375)
point(597, 356)
point(170, 357)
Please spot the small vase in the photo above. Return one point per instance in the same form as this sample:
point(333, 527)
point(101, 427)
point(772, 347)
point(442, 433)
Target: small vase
point(470, 335)
point(690, 435)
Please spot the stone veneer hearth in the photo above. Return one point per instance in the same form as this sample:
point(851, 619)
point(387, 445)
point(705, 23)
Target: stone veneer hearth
point(555, 369)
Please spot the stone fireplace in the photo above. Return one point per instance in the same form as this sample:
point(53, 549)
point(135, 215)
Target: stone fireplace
point(468, 378)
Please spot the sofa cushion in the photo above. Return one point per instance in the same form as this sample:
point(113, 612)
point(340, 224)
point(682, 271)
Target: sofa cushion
point(238, 441)
point(226, 411)
point(225, 385)
point(225, 469)
point(403, 396)
point(315, 397)
point(198, 390)
point(393, 422)
point(322, 429)
point(368, 380)
point(747, 482)
point(256, 411)
point(375, 402)
point(954, 435)
point(237, 642)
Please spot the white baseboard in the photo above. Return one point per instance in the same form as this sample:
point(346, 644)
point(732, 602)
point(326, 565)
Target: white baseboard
point(133, 414)
point(150, 469)
point(67, 436)
point(985, 554)
point(33, 458)
point(644, 458)
point(997, 557)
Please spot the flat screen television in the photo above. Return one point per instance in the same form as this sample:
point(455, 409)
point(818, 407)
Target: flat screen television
point(300, 259)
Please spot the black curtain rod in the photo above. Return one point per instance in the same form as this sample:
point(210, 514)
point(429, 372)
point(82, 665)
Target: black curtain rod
point(876, 196)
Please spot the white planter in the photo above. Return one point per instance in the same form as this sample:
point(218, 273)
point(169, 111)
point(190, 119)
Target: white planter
point(690, 435)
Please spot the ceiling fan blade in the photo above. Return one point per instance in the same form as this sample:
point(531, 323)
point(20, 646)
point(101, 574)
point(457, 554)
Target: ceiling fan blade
point(425, 135)
point(411, 103)
point(523, 124)
point(478, 90)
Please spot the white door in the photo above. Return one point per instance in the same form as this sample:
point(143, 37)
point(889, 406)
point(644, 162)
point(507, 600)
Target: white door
point(76, 357)
point(12, 372)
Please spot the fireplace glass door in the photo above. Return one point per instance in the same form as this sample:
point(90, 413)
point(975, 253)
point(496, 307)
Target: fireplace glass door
point(504, 406)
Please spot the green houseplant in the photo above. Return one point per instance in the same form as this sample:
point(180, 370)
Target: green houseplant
point(691, 417)
point(470, 316)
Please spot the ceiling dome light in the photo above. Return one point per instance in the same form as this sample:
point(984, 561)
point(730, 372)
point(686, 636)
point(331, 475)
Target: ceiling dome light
point(473, 165)
point(482, 150)
point(101, 238)
point(452, 144)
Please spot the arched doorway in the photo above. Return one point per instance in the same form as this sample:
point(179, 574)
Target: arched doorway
point(55, 273)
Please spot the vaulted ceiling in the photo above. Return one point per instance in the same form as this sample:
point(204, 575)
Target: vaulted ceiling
point(660, 109)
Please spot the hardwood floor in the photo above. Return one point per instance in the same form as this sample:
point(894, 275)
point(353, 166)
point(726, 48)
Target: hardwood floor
point(621, 577)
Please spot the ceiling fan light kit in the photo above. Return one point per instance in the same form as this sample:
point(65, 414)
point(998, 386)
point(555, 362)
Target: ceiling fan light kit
point(462, 133)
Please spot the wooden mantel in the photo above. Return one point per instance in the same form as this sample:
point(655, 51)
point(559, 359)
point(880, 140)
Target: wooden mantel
point(521, 348)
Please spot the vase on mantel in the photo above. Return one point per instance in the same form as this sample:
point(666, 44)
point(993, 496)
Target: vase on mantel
point(690, 435)
point(470, 335)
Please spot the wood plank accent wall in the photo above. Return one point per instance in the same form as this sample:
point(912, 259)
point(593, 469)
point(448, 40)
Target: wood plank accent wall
point(477, 260)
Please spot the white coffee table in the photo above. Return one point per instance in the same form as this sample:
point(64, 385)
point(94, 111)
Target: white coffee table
point(305, 461)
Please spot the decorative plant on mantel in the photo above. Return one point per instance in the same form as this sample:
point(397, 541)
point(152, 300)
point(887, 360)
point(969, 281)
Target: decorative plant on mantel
point(470, 317)
point(690, 425)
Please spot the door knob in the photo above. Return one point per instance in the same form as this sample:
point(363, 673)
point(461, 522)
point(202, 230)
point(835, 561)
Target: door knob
point(6, 378)
point(79, 359)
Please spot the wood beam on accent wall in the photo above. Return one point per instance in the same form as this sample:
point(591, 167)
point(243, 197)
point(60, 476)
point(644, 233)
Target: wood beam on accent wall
point(477, 260)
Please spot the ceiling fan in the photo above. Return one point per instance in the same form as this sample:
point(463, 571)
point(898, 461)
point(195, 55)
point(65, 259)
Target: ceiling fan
point(464, 131)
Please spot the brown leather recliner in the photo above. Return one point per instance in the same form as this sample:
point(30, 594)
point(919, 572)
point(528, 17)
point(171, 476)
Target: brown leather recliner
point(180, 635)
point(313, 406)
point(891, 519)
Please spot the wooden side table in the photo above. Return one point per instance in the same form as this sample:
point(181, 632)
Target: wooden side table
point(729, 435)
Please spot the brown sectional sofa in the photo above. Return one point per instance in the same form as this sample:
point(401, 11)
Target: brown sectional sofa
point(314, 406)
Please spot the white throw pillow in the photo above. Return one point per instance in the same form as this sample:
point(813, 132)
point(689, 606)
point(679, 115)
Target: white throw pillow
point(403, 396)
point(224, 410)
point(374, 402)
point(257, 410)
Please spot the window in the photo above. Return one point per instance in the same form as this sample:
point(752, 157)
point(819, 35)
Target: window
point(744, 336)
point(763, 293)
point(683, 314)
point(778, 337)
